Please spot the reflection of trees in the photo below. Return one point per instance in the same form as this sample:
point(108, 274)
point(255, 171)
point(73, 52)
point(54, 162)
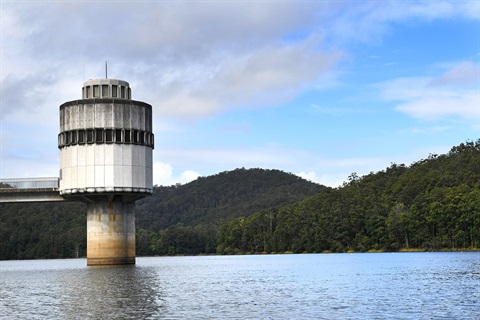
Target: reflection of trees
point(122, 292)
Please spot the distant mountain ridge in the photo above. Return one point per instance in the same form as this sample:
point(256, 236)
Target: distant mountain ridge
point(217, 198)
point(58, 230)
point(433, 204)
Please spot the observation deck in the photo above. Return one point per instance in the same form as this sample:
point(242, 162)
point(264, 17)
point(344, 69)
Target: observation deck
point(44, 189)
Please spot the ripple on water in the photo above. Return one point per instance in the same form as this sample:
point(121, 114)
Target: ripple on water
point(328, 286)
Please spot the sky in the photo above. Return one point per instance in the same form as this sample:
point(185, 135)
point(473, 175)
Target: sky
point(320, 89)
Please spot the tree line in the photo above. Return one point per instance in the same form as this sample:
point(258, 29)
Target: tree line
point(179, 219)
point(42, 231)
point(433, 204)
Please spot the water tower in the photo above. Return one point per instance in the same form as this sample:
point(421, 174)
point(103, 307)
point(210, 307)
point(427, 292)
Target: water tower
point(106, 144)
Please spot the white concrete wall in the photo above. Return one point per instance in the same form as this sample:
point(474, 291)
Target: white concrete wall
point(105, 115)
point(110, 231)
point(106, 168)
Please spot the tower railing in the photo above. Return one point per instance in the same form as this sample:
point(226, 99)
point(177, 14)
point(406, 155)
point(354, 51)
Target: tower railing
point(30, 183)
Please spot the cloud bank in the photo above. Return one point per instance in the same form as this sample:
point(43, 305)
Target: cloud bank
point(455, 94)
point(197, 60)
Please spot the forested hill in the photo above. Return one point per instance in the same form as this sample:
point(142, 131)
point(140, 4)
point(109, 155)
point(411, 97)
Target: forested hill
point(169, 216)
point(215, 199)
point(434, 204)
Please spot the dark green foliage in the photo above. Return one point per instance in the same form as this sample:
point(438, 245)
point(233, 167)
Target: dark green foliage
point(433, 205)
point(181, 219)
point(217, 198)
point(42, 230)
point(178, 239)
point(194, 211)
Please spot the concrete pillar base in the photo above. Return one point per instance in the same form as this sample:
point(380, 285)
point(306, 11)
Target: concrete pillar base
point(110, 231)
point(110, 261)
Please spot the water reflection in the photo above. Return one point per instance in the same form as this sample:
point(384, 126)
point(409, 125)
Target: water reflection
point(124, 292)
point(337, 286)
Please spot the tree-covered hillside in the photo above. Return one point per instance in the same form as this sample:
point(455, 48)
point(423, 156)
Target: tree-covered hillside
point(432, 205)
point(42, 230)
point(175, 219)
point(185, 219)
point(220, 197)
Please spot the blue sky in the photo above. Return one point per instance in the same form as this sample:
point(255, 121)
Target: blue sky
point(320, 89)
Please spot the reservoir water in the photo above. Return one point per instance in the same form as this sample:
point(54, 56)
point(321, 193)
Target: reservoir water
point(307, 286)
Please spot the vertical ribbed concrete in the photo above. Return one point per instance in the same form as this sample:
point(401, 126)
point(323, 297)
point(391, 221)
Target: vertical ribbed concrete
point(106, 143)
point(110, 231)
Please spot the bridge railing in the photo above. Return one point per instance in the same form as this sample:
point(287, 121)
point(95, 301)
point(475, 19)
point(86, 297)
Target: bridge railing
point(30, 183)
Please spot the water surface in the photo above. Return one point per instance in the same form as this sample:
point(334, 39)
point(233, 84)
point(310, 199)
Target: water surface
point(313, 286)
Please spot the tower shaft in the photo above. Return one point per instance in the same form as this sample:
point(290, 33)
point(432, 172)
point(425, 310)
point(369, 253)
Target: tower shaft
point(106, 142)
point(110, 231)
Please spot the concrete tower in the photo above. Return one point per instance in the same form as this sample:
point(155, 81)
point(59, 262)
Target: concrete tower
point(106, 143)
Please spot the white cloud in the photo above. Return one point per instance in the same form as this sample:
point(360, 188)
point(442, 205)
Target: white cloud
point(461, 74)
point(277, 66)
point(188, 175)
point(205, 159)
point(368, 21)
point(334, 172)
point(310, 176)
point(313, 166)
point(266, 76)
point(424, 130)
point(199, 57)
point(327, 179)
point(196, 59)
point(454, 93)
point(163, 175)
point(335, 111)
point(189, 59)
point(462, 104)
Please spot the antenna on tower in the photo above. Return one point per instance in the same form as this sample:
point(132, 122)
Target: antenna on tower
point(106, 70)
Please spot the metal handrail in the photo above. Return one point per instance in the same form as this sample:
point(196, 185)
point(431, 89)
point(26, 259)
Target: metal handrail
point(30, 183)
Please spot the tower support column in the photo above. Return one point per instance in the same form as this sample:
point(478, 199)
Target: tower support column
point(110, 231)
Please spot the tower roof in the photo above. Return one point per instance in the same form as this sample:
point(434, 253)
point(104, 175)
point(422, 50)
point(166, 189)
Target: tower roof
point(106, 88)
